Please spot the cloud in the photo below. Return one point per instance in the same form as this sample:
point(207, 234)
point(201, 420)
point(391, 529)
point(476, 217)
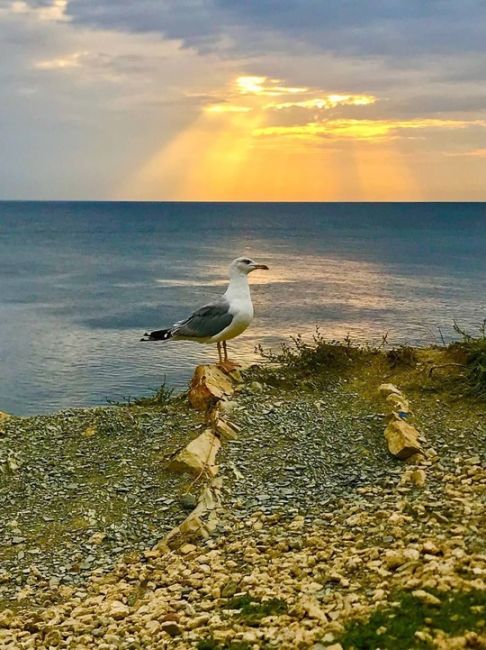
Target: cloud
point(374, 130)
point(81, 108)
point(252, 89)
point(461, 100)
point(252, 85)
point(69, 61)
point(227, 108)
point(325, 103)
point(47, 10)
point(93, 90)
point(387, 28)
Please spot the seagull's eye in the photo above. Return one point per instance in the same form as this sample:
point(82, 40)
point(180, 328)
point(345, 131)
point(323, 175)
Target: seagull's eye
point(246, 261)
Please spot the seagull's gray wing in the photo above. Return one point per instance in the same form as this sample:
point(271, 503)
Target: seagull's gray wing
point(206, 321)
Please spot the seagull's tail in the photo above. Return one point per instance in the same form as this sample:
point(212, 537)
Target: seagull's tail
point(158, 335)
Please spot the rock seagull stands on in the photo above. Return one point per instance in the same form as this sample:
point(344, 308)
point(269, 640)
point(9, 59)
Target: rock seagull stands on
point(221, 320)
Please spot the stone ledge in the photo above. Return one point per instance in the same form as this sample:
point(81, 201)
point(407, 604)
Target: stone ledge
point(402, 437)
point(210, 391)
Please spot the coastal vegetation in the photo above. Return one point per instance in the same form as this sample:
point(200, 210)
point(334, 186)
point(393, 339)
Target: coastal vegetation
point(460, 365)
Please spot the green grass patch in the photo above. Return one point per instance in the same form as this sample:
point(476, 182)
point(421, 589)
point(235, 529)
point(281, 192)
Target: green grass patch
point(252, 610)
point(395, 627)
point(210, 644)
point(457, 369)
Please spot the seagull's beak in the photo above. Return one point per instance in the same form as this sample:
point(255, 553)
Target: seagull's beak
point(262, 267)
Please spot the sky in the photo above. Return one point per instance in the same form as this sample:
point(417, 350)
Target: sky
point(243, 100)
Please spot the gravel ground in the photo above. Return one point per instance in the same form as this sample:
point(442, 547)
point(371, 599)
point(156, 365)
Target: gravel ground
point(299, 452)
point(80, 488)
point(283, 582)
point(319, 521)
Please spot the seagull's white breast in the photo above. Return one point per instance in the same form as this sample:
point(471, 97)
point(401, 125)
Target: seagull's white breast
point(242, 311)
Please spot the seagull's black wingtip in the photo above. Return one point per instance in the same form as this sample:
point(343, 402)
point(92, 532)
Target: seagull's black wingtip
point(157, 335)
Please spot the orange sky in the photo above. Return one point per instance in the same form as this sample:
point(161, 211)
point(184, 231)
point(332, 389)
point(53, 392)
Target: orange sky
point(183, 100)
point(266, 140)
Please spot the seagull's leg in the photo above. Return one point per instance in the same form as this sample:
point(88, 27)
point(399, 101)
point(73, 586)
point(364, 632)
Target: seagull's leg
point(225, 349)
point(219, 352)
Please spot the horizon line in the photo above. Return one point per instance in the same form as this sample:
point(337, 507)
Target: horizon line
point(243, 202)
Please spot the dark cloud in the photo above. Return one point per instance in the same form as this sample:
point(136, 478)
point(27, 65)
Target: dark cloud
point(387, 28)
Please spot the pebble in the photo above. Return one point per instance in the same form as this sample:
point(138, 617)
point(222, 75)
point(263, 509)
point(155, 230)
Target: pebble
point(188, 501)
point(426, 597)
point(188, 548)
point(171, 628)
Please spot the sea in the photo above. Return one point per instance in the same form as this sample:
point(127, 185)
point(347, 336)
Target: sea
point(80, 282)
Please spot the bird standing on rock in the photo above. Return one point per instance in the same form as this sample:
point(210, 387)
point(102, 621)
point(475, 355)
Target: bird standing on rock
point(221, 320)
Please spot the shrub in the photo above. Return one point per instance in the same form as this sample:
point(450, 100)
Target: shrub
point(473, 350)
point(312, 358)
point(404, 355)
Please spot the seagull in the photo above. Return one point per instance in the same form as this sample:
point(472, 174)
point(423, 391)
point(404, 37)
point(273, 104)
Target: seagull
point(221, 320)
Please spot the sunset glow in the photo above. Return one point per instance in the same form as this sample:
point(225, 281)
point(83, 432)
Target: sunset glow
point(228, 101)
point(357, 129)
point(264, 86)
point(247, 148)
point(324, 103)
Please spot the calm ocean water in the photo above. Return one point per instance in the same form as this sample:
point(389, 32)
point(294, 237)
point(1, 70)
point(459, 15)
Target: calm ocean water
point(80, 282)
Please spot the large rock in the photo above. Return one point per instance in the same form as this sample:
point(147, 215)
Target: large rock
point(209, 385)
point(199, 456)
point(402, 439)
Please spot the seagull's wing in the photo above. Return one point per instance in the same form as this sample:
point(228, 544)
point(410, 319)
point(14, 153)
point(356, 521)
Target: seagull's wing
point(207, 321)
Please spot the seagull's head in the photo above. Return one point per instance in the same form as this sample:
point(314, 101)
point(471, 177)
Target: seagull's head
point(244, 265)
